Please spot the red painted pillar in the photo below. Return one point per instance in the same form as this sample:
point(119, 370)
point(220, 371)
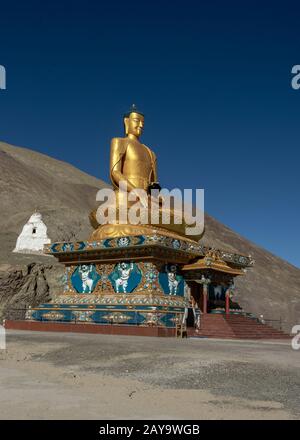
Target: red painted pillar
point(204, 298)
point(227, 302)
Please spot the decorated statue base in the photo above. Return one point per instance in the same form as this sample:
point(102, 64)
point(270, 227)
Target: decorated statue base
point(134, 280)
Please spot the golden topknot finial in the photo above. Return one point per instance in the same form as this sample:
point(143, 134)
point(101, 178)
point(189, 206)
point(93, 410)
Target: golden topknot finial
point(133, 109)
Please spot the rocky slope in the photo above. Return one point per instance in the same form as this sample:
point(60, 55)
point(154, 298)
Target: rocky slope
point(21, 286)
point(65, 195)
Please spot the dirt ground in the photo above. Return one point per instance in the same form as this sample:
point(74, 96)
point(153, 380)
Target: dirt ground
point(72, 376)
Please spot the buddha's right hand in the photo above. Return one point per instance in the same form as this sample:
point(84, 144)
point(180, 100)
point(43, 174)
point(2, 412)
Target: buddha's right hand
point(140, 195)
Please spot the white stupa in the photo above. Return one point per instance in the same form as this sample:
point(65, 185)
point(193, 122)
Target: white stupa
point(33, 236)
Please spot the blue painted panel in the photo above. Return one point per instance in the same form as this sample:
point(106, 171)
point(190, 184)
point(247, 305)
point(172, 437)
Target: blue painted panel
point(171, 281)
point(85, 278)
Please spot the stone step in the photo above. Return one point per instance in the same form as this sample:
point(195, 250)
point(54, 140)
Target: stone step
point(236, 327)
point(233, 336)
point(245, 334)
point(245, 329)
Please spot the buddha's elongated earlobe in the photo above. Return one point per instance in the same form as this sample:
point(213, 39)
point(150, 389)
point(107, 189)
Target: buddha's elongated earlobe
point(126, 125)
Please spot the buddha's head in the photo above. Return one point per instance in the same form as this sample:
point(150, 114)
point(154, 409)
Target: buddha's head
point(134, 123)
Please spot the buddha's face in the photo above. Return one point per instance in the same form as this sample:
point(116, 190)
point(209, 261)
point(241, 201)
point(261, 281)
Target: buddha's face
point(134, 124)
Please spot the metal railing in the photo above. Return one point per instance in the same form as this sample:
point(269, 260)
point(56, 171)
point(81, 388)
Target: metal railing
point(276, 323)
point(14, 313)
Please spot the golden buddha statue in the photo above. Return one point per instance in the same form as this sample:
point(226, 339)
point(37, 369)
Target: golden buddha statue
point(135, 164)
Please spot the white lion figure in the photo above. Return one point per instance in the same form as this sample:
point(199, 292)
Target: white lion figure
point(87, 282)
point(172, 280)
point(124, 271)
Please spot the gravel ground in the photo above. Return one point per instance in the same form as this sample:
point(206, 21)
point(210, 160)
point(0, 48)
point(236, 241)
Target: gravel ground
point(71, 376)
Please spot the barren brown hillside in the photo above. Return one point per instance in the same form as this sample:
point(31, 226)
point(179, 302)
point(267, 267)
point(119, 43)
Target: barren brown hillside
point(65, 195)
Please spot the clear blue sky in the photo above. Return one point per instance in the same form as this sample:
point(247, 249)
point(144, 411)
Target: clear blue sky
point(212, 77)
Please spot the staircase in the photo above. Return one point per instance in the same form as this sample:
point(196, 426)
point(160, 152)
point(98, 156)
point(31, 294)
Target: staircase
point(235, 327)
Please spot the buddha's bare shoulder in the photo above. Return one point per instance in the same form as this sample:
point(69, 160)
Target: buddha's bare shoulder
point(118, 144)
point(118, 140)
